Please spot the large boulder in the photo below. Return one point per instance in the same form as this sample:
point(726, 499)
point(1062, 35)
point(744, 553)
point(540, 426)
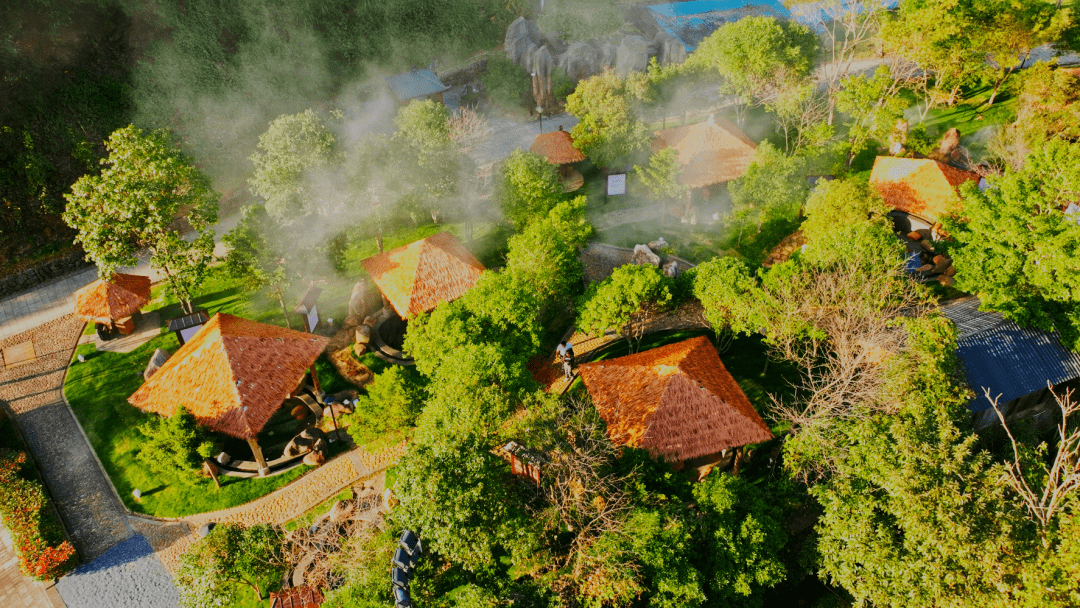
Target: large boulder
point(540, 62)
point(358, 300)
point(341, 511)
point(158, 359)
point(949, 143)
point(314, 459)
point(669, 50)
point(363, 334)
point(671, 269)
point(519, 36)
point(581, 60)
point(297, 446)
point(312, 434)
point(632, 55)
point(608, 54)
point(643, 256)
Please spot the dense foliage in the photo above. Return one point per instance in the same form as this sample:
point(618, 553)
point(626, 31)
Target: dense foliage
point(147, 183)
point(1016, 247)
point(175, 446)
point(230, 554)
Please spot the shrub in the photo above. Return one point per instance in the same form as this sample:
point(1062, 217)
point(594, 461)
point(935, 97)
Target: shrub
point(173, 445)
point(509, 86)
point(34, 532)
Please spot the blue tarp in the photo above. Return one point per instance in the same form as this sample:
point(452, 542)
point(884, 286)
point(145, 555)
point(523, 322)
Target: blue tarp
point(692, 21)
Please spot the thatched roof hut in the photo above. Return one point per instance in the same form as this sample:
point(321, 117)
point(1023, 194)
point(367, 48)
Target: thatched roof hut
point(677, 401)
point(109, 301)
point(922, 187)
point(232, 375)
point(417, 277)
point(710, 152)
point(296, 597)
point(557, 147)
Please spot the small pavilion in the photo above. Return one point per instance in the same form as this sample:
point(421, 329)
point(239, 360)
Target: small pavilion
point(232, 376)
point(113, 303)
point(710, 152)
point(417, 84)
point(922, 187)
point(677, 401)
point(417, 277)
point(558, 148)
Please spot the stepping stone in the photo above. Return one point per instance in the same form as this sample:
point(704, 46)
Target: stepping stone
point(19, 354)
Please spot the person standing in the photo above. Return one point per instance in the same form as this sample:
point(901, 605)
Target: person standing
point(565, 352)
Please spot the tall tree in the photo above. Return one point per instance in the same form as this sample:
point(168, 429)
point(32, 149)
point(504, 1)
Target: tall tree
point(230, 555)
point(434, 163)
point(660, 177)
point(609, 130)
point(255, 258)
point(759, 58)
point(292, 151)
point(773, 187)
point(528, 187)
point(1016, 247)
point(146, 185)
point(873, 104)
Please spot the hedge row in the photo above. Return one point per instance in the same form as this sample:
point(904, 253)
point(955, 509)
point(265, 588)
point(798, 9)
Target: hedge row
point(36, 534)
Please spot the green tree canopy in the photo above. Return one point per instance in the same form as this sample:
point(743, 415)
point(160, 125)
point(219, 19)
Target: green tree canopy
point(176, 445)
point(528, 187)
point(147, 183)
point(725, 288)
point(624, 302)
point(254, 257)
point(660, 178)
point(773, 187)
point(757, 57)
point(292, 149)
point(1015, 247)
point(609, 130)
point(230, 555)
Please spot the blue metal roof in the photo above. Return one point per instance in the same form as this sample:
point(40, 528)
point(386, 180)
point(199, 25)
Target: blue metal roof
point(1007, 359)
point(417, 83)
point(809, 13)
point(693, 21)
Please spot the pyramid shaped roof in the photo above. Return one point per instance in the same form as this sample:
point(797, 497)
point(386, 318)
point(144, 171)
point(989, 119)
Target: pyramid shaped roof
point(557, 147)
point(677, 401)
point(232, 375)
point(710, 152)
point(919, 186)
point(108, 301)
point(423, 274)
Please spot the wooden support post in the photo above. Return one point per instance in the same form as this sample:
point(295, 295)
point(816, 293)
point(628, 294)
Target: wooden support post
point(315, 379)
point(257, 451)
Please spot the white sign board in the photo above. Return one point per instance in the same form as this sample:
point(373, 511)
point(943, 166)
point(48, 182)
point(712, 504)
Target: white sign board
point(313, 318)
point(616, 184)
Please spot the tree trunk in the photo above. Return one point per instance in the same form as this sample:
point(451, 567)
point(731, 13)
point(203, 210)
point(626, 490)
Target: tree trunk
point(181, 293)
point(379, 242)
point(284, 311)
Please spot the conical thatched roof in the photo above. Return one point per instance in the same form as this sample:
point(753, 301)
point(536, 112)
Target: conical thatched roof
point(232, 375)
point(710, 152)
point(677, 401)
point(108, 301)
point(557, 147)
point(920, 186)
point(421, 275)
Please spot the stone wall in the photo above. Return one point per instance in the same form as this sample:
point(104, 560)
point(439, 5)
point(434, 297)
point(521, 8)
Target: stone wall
point(42, 272)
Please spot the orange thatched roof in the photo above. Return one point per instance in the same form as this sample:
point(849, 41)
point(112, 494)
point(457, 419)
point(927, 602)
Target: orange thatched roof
point(108, 301)
point(421, 275)
point(232, 375)
point(297, 597)
point(677, 401)
point(557, 147)
point(710, 152)
point(920, 186)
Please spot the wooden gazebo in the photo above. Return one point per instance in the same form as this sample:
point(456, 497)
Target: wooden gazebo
point(922, 187)
point(232, 376)
point(558, 148)
point(417, 277)
point(113, 303)
point(710, 152)
point(677, 401)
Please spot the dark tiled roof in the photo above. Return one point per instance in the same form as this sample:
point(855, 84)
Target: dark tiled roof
point(199, 317)
point(308, 301)
point(417, 83)
point(1008, 359)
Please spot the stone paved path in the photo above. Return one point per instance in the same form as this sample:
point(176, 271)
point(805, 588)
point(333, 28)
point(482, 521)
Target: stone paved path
point(17, 590)
point(171, 538)
point(128, 575)
point(90, 509)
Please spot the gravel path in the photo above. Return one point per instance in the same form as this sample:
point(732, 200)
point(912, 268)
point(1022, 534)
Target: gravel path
point(126, 576)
